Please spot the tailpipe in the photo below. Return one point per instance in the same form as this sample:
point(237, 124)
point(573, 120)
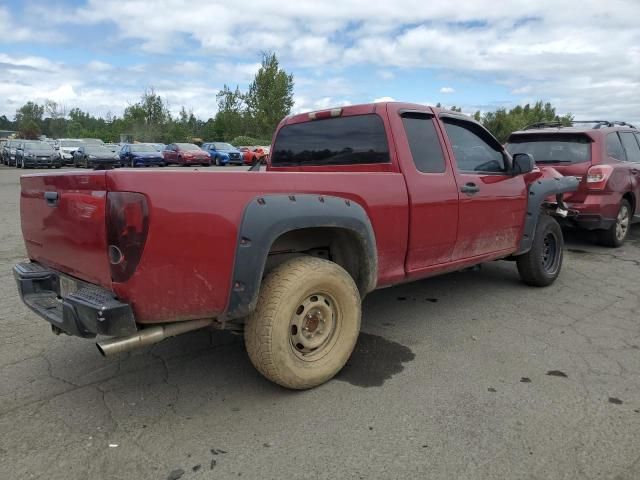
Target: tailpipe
point(149, 336)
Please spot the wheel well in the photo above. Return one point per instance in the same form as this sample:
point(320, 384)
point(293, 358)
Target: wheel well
point(630, 197)
point(339, 245)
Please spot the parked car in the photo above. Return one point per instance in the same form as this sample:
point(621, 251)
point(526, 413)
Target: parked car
point(186, 154)
point(66, 147)
point(252, 154)
point(605, 157)
point(9, 152)
point(35, 153)
point(95, 156)
point(353, 199)
point(223, 153)
point(140, 154)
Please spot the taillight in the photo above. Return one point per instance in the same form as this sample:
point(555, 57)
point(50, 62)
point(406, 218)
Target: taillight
point(127, 227)
point(598, 176)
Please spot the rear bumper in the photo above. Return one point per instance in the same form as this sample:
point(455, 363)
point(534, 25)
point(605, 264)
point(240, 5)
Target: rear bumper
point(596, 212)
point(87, 311)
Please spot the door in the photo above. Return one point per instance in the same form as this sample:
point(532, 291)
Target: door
point(433, 193)
point(170, 154)
point(631, 144)
point(492, 201)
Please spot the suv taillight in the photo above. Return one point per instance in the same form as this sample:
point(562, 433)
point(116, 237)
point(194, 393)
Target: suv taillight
point(598, 176)
point(127, 227)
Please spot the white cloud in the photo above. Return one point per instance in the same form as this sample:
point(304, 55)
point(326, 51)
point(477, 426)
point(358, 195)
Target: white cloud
point(540, 49)
point(447, 90)
point(384, 99)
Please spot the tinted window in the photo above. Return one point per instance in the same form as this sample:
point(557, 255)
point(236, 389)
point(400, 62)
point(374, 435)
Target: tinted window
point(424, 143)
point(614, 147)
point(631, 146)
point(554, 148)
point(352, 140)
point(472, 152)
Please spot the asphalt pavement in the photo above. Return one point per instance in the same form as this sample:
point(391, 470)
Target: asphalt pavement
point(471, 375)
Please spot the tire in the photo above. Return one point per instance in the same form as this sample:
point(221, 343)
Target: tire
point(274, 332)
point(217, 161)
point(541, 265)
point(86, 163)
point(21, 164)
point(615, 235)
point(133, 163)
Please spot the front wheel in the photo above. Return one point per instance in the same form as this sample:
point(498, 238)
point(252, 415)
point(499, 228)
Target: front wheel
point(19, 164)
point(541, 265)
point(615, 235)
point(306, 323)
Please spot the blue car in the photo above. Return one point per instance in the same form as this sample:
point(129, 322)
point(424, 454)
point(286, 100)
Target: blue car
point(223, 153)
point(140, 154)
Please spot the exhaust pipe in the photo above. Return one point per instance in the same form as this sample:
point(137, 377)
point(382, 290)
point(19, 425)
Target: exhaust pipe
point(149, 336)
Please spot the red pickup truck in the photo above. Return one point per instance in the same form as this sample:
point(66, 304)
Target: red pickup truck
point(352, 199)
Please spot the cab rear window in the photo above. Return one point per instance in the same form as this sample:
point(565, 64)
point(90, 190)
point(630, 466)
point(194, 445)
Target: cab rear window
point(352, 140)
point(552, 148)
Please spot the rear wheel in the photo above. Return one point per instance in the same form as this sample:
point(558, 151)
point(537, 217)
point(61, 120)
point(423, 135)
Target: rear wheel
point(305, 324)
point(541, 265)
point(615, 235)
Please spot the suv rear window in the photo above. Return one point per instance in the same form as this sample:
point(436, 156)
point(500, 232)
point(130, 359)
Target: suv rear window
point(556, 148)
point(351, 140)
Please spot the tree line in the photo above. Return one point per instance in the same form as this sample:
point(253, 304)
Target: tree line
point(243, 118)
point(248, 118)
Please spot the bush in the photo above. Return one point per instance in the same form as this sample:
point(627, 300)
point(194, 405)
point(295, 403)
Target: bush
point(243, 140)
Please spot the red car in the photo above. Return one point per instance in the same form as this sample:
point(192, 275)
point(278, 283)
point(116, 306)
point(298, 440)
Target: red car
point(185, 154)
point(353, 199)
point(251, 154)
point(605, 157)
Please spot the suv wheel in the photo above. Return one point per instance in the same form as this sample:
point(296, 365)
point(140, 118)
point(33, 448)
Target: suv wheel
point(305, 324)
point(615, 235)
point(541, 265)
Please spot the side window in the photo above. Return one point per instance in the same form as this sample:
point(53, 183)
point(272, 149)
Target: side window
point(424, 143)
point(614, 147)
point(472, 152)
point(631, 146)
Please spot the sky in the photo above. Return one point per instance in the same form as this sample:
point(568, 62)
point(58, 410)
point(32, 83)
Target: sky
point(583, 56)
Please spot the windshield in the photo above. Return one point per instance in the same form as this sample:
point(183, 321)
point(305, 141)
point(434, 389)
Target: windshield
point(71, 143)
point(97, 150)
point(142, 148)
point(189, 147)
point(223, 146)
point(552, 148)
point(37, 146)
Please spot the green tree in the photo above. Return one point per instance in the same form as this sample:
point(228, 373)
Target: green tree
point(503, 122)
point(232, 117)
point(29, 119)
point(270, 96)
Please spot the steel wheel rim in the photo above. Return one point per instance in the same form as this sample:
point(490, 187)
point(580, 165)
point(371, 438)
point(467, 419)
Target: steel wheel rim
point(550, 253)
point(313, 327)
point(622, 223)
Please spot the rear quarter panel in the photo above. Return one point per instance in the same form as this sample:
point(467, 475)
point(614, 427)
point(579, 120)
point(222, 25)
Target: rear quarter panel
point(186, 269)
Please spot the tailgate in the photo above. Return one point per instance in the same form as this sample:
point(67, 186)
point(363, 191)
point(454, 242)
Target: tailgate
point(63, 223)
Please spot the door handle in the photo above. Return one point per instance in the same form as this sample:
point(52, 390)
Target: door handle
point(470, 188)
point(635, 171)
point(51, 198)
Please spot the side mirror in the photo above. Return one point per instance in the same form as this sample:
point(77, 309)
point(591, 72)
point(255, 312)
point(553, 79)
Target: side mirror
point(522, 163)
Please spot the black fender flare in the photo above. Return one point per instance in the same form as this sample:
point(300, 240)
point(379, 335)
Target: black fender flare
point(267, 217)
point(539, 190)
